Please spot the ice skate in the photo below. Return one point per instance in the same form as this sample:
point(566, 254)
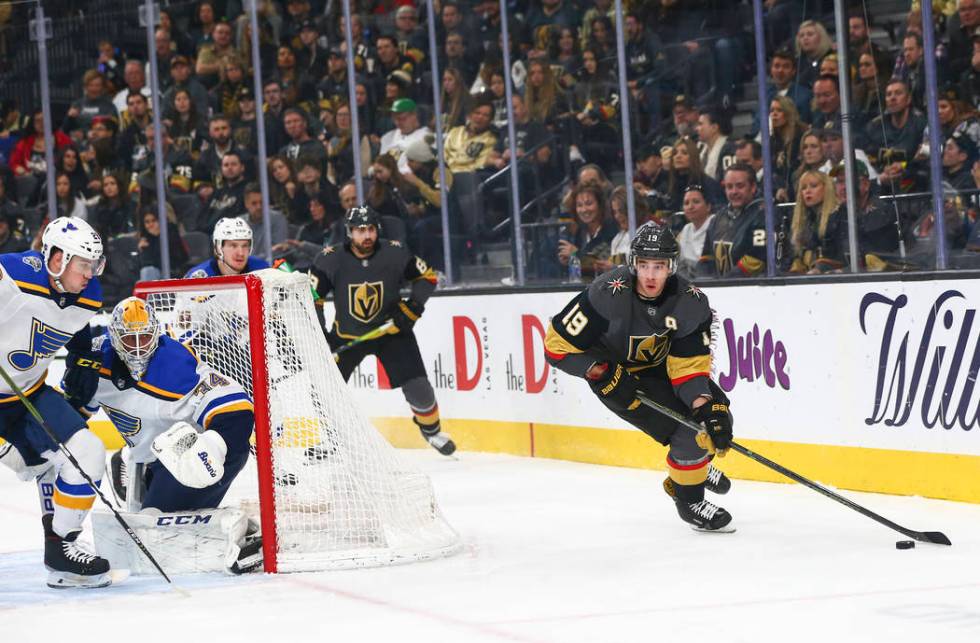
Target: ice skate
point(68, 564)
point(705, 516)
point(440, 441)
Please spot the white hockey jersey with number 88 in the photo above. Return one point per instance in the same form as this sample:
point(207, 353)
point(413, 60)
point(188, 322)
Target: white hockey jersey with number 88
point(176, 387)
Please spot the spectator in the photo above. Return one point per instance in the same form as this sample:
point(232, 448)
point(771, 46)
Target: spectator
point(275, 131)
point(210, 54)
point(451, 19)
point(412, 39)
point(650, 179)
point(735, 243)
point(819, 231)
point(186, 125)
point(207, 170)
point(619, 247)
point(151, 260)
point(811, 158)
point(205, 19)
point(244, 127)
point(69, 204)
point(28, 160)
point(224, 95)
point(301, 144)
point(309, 173)
point(547, 104)
point(783, 83)
point(535, 171)
point(684, 122)
point(312, 237)
point(166, 51)
point(254, 218)
point(180, 73)
point(455, 57)
point(718, 152)
point(389, 59)
point(697, 212)
point(112, 213)
point(389, 189)
point(832, 144)
point(94, 104)
point(425, 227)
point(859, 43)
point(11, 239)
point(227, 201)
point(340, 153)
point(282, 187)
point(311, 56)
point(644, 69)
point(134, 75)
point(812, 44)
point(785, 134)
point(565, 52)
point(178, 169)
point(894, 137)
point(68, 162)
point(594, 231)
point(595, 100)
point(878, 230)
point(133, 149)
point(685, 170)
point(333, 86)
point(456, 100)
point(749, 152)
point(297, 89)
point(827, 105)
point(407, 129)
point(869, 87)
point(959, 155)
point(913, 71)
point(962, 32)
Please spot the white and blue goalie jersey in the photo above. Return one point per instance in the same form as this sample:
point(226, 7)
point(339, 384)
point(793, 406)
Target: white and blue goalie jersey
point(176, 387)
point(37, 320)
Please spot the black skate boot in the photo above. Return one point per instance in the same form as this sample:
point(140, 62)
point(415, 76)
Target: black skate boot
point(705, 516)
point(440, 441)
point(68, 564)
point(717, 481)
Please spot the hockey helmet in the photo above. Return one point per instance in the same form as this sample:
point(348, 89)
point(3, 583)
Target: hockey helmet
point(362, 215)
point(134, 333)
point(75, 238)
point(229, 229)
point(653, 241)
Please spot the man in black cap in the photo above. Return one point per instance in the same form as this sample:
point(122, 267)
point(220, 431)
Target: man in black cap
point(832, 143)
point(180, 72)
point(244, 131)
point(333, 87)
point(311, 51)
point(959, 155)
point(878, 231)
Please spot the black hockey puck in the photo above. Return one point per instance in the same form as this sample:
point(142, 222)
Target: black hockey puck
point(905, 544)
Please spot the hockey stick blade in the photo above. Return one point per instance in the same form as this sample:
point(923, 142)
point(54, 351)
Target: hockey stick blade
point(934, 537)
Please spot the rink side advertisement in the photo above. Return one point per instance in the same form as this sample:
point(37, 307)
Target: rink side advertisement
point(867, 386)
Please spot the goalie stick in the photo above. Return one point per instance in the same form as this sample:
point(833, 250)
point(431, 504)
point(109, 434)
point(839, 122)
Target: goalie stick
point(935, 537)
point(71, 458)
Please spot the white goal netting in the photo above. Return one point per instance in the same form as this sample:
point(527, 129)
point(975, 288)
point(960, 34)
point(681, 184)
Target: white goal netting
point(341, 495)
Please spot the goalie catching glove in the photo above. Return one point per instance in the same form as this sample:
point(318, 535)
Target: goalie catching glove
point(405, 315)
point(713, 416)
point(617, 386)
point(195, 459)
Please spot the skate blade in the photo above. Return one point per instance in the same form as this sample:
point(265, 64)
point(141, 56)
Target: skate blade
point(727, 529)
point(64, 580)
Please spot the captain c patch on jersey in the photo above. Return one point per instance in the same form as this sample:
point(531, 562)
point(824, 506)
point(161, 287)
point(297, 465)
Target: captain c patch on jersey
point(365, 300)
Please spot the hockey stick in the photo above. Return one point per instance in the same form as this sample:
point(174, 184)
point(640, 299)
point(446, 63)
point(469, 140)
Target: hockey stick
point(71, 458)
point(366, 337)
point(935, 537)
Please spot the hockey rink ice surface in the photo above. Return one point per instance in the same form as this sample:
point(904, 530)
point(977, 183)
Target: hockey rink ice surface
point(556, 552)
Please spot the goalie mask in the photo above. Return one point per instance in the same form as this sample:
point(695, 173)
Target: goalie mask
point(229, 229)
point(134, 333)
point(653, 241)
point(362, 215)
point(75, 238)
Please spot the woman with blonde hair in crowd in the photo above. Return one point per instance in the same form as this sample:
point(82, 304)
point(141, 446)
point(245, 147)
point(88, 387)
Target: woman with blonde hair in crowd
point(548, 104)
point(812, 44)
point(619, 247)
point(786, 130)
point(685, 171)
point(818, 233)
point(456, 100)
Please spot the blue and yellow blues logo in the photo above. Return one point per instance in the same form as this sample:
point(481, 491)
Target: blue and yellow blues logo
point(127, 425)
point(45, 342)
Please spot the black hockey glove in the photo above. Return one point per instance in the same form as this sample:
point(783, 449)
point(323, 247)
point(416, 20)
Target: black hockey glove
point(713, 416)
point(81, 378)
point(617, 387)
point(406, 314)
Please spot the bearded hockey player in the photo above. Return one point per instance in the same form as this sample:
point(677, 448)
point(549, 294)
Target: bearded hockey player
point(232, 245)
point(188, 424)
point(641, 328)
point(365, 275)
point(49, 297)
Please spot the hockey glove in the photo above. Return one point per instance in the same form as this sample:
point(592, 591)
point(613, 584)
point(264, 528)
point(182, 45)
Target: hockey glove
point(713, 416)
point(406, 314)
point(195, 459)
point(617, 387)
point(81, 378)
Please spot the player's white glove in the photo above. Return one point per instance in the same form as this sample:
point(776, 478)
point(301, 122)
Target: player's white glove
point(197, 460)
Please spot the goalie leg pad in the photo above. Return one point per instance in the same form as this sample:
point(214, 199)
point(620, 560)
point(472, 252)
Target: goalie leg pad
point(207, 540)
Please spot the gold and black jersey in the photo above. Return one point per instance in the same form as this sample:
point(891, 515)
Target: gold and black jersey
point(366, 291)
point(668, 337)
point(735, 244)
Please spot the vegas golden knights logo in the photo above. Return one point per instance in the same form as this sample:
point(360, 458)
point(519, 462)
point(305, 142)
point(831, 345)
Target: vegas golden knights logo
point(648, 350)
point(723, 256)
point(364, 300)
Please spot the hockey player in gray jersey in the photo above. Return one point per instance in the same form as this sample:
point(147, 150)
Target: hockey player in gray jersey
point(365, 275)
point(641, 328)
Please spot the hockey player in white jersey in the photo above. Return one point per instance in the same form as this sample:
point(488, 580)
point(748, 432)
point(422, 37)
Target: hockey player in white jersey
point(231, 242)
point(48, 298)
point(189, 424)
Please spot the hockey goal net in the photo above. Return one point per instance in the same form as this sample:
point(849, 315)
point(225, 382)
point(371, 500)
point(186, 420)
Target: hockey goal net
point(332, 492)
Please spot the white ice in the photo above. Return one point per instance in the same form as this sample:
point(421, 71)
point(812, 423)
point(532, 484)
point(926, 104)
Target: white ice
point(555, 552)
